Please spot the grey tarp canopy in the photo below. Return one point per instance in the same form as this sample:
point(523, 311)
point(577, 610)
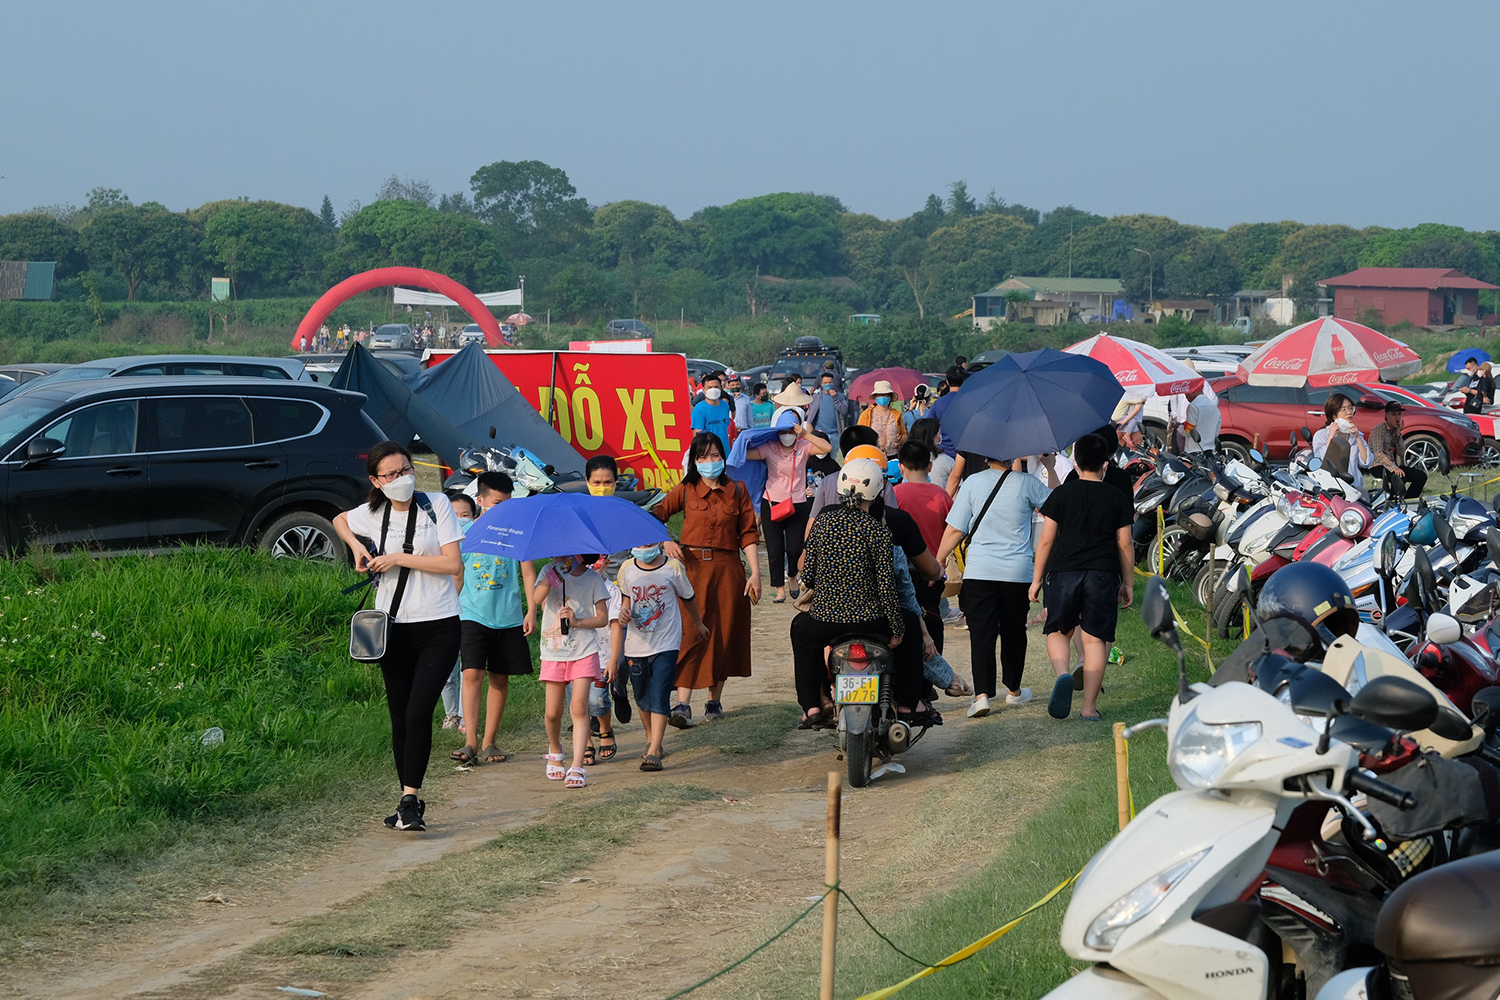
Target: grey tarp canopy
point(452, 411)
point(475, 395)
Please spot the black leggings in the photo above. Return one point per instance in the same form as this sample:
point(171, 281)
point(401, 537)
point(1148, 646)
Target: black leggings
point(784, 540)
point(418, 659)
point(810, 636)
point(995, 609)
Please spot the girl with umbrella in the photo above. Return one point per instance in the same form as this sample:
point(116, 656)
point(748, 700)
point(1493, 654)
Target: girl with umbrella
point(784, 505)
point(718, 524)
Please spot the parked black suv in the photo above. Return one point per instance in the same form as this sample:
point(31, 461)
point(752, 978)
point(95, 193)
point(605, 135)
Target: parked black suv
point(154, 463)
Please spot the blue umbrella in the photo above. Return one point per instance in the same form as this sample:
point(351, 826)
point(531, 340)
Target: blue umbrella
point(545, 525)
point(1457, 362)
point(1025, 404)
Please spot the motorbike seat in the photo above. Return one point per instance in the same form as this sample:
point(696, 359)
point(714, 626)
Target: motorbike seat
point(1447, 913)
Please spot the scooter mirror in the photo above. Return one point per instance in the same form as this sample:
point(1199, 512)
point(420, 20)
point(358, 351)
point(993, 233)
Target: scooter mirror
point(492, 432)
point(1306, 434)
point(1256, 456)
point(1314, 464)
point(1444, 530)
point(1486, 707)
point(1444, 629)
point(1384, 556)
point(1451, 724)
point(1195, 435)
point(1396, 703)
point(1313, 692)
point(1492, 544)
point(1423, 580)
point(1239, 582)
point(1293, 439)
point(1156, 611)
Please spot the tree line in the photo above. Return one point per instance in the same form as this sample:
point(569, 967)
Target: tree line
point(754, 256)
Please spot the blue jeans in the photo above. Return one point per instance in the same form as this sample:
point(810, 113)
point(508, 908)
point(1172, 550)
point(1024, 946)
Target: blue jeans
point(452, 702)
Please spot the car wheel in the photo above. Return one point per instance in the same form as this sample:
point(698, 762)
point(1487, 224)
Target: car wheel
point(304, 535)
point(1491, 457)
point(1236, 448)
point(1426, 452)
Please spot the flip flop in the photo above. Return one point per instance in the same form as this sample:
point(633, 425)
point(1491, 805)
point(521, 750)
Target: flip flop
point(1060, 705)
point(465, 756)
point(1078, 680)
point(1092, 718)
point(492, 755)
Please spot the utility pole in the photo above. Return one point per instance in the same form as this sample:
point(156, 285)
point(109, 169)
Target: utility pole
point(1150, 276)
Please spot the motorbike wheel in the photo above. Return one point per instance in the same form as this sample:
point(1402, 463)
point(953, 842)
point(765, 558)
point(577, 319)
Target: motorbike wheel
point(1206, 583)
point(1229, 612)
point(857, 756)
point(1177, 566)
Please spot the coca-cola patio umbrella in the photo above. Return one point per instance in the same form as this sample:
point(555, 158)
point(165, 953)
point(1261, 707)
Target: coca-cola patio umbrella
point(1141, 370)
point(1329, 352)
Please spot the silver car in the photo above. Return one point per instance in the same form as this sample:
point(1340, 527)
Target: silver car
point(396, 336)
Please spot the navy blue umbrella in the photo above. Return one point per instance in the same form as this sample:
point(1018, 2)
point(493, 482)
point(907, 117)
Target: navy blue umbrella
point(1457, 362)
point(1025, 404)
point(546, 525)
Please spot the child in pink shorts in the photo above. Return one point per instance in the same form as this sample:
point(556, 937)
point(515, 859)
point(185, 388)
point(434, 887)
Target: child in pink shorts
point(574, 604)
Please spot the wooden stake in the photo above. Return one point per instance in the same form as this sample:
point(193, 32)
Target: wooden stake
point(831, 878)
point(1122, 775)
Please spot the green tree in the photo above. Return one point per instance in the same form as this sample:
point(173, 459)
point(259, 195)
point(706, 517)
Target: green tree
point(533, 207)
point(406, 189)
point(1045, 250)
point(1472, 257)
point(960, 204)
point(32, 236)
point(301, 235)
point(1203, 268)
point(786, 235)
point(1318, 252)
point(971, 256)
point(326, 216)
point(635, 234)
point(909, 260)
point(404, 233)
point(1252, 249)
point(141, 243)
point(252, 244)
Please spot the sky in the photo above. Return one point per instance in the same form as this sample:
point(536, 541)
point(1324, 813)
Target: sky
point(1212, 113)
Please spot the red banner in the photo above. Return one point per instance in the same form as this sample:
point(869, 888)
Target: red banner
point(635, 407)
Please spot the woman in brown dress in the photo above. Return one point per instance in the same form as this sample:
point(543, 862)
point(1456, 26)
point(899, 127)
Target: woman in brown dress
point(718, 524)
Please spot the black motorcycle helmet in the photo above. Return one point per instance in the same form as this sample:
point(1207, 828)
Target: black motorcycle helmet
point(1310, 592)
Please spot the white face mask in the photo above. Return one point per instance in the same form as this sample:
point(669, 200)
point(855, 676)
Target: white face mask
point(400, 489)
point(787, 439)
point(713, 392)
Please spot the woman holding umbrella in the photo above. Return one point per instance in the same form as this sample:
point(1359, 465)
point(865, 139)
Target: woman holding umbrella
point(784, 505)
point(718, 524)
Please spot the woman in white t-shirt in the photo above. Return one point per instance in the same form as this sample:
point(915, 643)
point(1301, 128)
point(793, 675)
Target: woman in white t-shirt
point(424, 636)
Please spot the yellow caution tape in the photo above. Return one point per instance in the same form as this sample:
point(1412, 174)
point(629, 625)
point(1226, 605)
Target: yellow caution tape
point(1475, 486)
point(976, 947)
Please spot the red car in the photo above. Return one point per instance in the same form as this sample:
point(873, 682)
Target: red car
point(1265, 417)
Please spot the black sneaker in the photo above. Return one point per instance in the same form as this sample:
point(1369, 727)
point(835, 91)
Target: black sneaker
point(681, 717)
point(713, 710)
point(408, 814)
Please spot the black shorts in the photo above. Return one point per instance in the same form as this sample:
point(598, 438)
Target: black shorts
point(497, 650)
point(1090, 598)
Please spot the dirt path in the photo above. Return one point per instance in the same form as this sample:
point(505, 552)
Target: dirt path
point(697, 889)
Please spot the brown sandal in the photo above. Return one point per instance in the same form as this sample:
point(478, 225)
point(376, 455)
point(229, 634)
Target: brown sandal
point(650, 762)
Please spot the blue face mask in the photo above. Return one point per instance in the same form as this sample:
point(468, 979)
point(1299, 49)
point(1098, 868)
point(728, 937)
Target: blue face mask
point(647, 554)
point(883, 400)
point(710, 470)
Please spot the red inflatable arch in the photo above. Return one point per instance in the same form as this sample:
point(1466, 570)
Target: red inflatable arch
point(383, 277)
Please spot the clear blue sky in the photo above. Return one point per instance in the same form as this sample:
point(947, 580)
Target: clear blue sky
point(1207, 111)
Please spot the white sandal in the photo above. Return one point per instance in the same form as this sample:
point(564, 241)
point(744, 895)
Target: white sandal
point(555, 770)
point(577, 778)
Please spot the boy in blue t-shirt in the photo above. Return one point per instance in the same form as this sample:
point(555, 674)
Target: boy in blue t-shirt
point(714, 413)
point(493, 629)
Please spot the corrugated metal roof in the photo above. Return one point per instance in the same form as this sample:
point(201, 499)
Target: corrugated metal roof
point(1405, 277)
point(1053, 286)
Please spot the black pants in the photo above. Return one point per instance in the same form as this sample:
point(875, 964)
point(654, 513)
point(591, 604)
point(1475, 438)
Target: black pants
point(995, 609)
point(810, 636)
point(928, 596)
point(1413, 483)
point(784, 540)
point(418, 659)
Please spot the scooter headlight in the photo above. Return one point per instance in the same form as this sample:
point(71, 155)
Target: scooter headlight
point(1284, 507)
point(1201, 752)
point(1171, 475)
point(1135, 904)
point(1351, 523)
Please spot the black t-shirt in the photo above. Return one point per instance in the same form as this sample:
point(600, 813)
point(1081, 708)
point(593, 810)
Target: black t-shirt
point(905, 533)
point(1113, 476)
point(1088, 513)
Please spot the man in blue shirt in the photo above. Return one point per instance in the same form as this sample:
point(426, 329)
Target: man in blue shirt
point(955, 379)
point(740, 400)
point(829, 410)
point(714, 413)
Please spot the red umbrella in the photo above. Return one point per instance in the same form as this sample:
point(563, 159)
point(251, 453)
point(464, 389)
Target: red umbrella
point(1328, 352)
point(1140, 366)
point(903, 380)
point(518, 319)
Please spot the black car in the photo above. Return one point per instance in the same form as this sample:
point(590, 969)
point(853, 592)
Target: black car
point(628, 328)
point(155, 463)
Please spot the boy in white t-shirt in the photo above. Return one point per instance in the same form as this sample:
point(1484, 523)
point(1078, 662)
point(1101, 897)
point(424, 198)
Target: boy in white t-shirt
point(574, 604)
point(651, 586)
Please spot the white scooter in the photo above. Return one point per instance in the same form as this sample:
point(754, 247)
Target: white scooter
point(1162, 910)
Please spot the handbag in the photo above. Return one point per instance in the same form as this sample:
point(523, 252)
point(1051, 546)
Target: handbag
point(961, 553)
point(370, 628)
point(784, 509)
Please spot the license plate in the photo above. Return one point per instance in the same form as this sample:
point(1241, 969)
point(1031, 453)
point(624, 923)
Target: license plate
point(857, 689)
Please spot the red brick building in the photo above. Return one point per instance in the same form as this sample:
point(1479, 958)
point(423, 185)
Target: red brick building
point(1423, 296)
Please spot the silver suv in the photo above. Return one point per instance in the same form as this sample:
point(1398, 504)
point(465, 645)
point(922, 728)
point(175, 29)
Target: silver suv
point(397, 336)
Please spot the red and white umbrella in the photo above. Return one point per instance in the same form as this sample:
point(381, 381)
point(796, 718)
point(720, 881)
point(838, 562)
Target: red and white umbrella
point(518, 319)
point(1140, 367)
point(1328, 352)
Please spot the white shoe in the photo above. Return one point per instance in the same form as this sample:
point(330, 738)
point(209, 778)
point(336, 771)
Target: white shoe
point(980, 708)
point(1019, 699)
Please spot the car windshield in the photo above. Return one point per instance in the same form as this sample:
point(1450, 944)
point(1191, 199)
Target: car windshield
point(19, 412)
